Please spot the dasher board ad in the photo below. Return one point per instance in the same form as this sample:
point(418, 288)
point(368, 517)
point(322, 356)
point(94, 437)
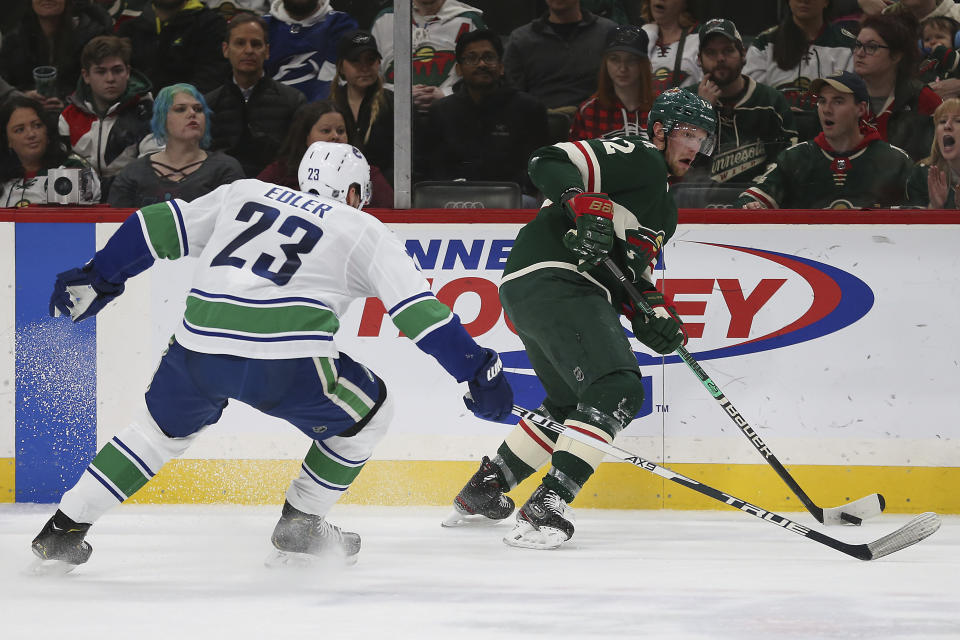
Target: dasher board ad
point(836, 342)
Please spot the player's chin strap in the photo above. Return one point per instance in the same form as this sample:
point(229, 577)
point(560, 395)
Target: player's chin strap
point(852, 513)
point(909, 534)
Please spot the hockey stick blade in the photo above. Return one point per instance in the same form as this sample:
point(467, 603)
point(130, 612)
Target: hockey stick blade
point(911, 533)
point(853, 513)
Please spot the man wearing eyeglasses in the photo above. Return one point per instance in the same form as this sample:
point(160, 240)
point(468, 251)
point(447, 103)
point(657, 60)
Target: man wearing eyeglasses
point(844, 167)
point(485, 130)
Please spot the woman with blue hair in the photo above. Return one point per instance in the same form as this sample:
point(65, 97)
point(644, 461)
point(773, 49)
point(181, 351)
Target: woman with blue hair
point(182, 169)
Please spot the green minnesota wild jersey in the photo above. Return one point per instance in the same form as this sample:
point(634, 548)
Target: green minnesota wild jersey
point(630, 170)
point(811, 175)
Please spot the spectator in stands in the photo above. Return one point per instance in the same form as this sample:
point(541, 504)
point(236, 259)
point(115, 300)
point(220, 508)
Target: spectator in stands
point(673, 42)
point(52, 33)
point(181, 121)
point(303, 52)
point(935, 181)
point(29, 148)
point(123, 10)
point(624, 89)
point(178, 41)
point(555, 57)
point(318, 122)
point(941, 60)
point(485, 130)
point(6, 91)
point(900, 106)
point(230, 8)
point(366, 105)
point(800, 49)
point(436, 26)
point(107, 119)
point(844, 167)
point(251, 112)
point(755, 121)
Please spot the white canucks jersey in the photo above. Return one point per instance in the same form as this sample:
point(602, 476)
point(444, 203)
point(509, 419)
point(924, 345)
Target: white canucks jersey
point(279, 267)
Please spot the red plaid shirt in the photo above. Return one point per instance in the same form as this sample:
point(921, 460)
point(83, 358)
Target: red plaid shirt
point(593, 120)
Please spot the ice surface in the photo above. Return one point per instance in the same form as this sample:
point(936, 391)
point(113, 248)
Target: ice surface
point(186, 572)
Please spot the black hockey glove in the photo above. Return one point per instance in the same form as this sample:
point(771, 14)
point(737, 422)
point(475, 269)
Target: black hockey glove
point(490, 396)
point(663, 332)
point(81, 293)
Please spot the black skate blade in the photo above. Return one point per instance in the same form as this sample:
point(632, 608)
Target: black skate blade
point(51, 568)
point(277, 559)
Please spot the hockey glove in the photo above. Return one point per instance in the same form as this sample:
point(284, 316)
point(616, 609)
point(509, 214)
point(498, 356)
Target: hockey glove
point(640, 252)
point(663, 332)
point(490, 396)
point(593, 238)
point(81, 293)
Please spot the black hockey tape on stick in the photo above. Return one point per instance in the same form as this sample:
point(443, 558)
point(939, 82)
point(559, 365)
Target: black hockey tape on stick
point(851, 513)
point(909, 534)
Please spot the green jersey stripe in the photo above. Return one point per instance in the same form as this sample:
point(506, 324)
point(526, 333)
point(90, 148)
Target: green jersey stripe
point(162, 230)
point(293, 318)
point(120, 470)
point(345, 395)
point(421, 318)
point(329, 470)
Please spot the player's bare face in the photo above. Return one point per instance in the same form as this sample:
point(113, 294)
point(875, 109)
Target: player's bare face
point(185, 119)
point(683, 144)
point(624, 69)
point(361, 72)
point(839, 113)
point(948, 135)
point(329, 128)
point(27, 135)
point(721, 60)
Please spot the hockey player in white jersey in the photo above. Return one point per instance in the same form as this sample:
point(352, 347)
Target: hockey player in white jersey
point(277, 268)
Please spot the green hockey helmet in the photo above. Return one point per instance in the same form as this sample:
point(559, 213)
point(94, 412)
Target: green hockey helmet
point(676, 106)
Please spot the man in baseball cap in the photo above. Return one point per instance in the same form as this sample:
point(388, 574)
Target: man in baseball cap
point(844, 82)
point(755, 121)
point(845, 167)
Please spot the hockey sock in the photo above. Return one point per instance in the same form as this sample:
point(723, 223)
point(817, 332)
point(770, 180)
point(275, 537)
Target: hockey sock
point(121, 467)
point(606, 408)
point(331, 465)
point(524, 450)
point(324, 476)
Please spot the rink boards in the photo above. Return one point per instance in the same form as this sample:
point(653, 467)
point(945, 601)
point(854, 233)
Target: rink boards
point(834, 335)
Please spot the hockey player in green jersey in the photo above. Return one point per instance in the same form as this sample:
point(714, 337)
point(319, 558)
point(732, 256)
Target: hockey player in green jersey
point(604, 198)
point(844, 167)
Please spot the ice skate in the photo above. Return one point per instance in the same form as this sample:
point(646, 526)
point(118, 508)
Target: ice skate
point(303, 539)
point(481, 501)
point(60, 546)
point(545, 521)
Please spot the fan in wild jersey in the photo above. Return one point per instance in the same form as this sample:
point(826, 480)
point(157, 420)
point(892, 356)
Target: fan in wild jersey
point(605, 198)
point(277, 269)
point(847, 166)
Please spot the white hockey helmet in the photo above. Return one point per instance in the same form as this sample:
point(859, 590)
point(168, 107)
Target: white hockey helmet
point(330, 169)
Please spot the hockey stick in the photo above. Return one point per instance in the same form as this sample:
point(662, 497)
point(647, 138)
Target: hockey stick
point(852, 513)
point(909, 534)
